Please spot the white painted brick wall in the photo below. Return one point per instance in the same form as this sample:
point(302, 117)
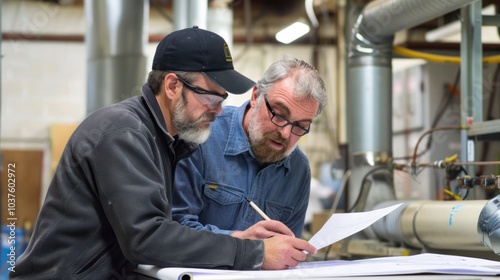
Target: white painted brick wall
point(41, 84)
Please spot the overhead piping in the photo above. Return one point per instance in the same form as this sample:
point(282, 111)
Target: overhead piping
point(220, 20)
point(116, 38)
point(188, 13)
point(310, 13)
point(369, 93)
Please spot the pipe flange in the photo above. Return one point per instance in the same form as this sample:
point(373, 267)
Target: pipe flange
point(372, 158)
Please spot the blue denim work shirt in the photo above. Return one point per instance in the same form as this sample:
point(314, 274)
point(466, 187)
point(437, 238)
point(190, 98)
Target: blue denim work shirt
point(211, 184)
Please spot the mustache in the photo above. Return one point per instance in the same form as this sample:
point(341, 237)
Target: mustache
point(207, 117)
point(276, 137)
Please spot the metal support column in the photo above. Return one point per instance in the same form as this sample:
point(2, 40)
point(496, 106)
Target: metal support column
point(471, 77)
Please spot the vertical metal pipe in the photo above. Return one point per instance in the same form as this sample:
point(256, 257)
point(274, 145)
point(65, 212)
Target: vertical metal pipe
point(471, 72)
point(369, 103)
point(181, 14)
point(342, 35)
point(1, 60)
point(189, 13)
point(220, 20)
point(116, 38)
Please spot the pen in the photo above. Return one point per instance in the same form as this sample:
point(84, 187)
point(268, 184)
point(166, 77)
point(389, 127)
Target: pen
point(256, 208)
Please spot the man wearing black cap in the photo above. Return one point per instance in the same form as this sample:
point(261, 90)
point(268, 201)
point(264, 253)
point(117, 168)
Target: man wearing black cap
point(108, 207)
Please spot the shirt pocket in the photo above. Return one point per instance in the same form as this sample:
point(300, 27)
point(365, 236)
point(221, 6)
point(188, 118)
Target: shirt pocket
point(224, 205)
point(278, 211)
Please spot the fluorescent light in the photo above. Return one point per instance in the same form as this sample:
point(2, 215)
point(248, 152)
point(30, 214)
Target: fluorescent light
point(292, 32)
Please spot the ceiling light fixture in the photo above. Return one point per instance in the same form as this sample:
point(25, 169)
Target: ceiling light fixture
point(292, 32)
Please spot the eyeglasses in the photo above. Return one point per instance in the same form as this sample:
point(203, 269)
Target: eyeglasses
point(209, 98)
point(281, 121)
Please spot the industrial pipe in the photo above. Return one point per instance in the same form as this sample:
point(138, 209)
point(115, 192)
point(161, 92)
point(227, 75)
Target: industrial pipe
point(444, 225)
point(116, 38)
point(488, 225)
point(369, 93)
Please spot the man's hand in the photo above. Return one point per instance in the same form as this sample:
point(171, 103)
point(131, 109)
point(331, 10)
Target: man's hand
point(263, 229)
point(282, 252)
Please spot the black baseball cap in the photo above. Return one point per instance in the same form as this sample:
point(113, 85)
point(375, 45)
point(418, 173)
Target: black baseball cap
point(197, 50)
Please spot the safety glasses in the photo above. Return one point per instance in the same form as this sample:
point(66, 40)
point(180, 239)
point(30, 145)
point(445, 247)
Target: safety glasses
point(209, 98)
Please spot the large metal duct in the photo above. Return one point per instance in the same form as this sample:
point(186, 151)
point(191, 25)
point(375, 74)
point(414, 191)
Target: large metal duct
point(488, 225)
point(369, 92)
point(116, 38)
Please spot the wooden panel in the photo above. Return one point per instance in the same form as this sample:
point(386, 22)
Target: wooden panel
point(25, 169)
point(59, 135)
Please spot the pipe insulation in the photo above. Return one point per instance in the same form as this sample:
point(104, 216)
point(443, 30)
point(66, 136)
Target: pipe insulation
point(116, 38)
point(433, 224)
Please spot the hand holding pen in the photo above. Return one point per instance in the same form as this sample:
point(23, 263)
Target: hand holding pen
point(256, 208)
point(281, 251)
point(263, 229)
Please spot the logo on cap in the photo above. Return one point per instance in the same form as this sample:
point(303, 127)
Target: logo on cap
point(227, 53)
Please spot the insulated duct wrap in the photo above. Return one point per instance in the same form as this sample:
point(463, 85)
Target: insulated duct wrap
point(434, 224)
point(389, 227)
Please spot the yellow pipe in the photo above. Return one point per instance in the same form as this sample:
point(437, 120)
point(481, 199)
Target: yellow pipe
point(491, 59)
point(452, 194)
point(439, 58)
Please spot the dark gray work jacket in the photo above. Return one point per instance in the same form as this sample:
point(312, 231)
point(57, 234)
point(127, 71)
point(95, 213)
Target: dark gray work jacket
point(108, 207)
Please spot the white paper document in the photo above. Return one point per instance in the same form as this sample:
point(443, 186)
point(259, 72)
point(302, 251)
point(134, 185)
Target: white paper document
point(423, 263)
point(338, 227)
point(342, 225)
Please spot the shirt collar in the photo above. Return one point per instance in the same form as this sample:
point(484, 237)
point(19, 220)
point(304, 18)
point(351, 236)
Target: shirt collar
point(238, 141)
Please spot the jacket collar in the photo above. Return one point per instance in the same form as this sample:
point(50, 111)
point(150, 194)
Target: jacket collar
point(153, 106)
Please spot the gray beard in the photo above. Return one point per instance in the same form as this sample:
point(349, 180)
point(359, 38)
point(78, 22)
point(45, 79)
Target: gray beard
point(187, 129)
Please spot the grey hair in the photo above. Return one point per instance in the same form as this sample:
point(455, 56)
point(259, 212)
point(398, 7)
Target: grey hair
point(308, 82)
